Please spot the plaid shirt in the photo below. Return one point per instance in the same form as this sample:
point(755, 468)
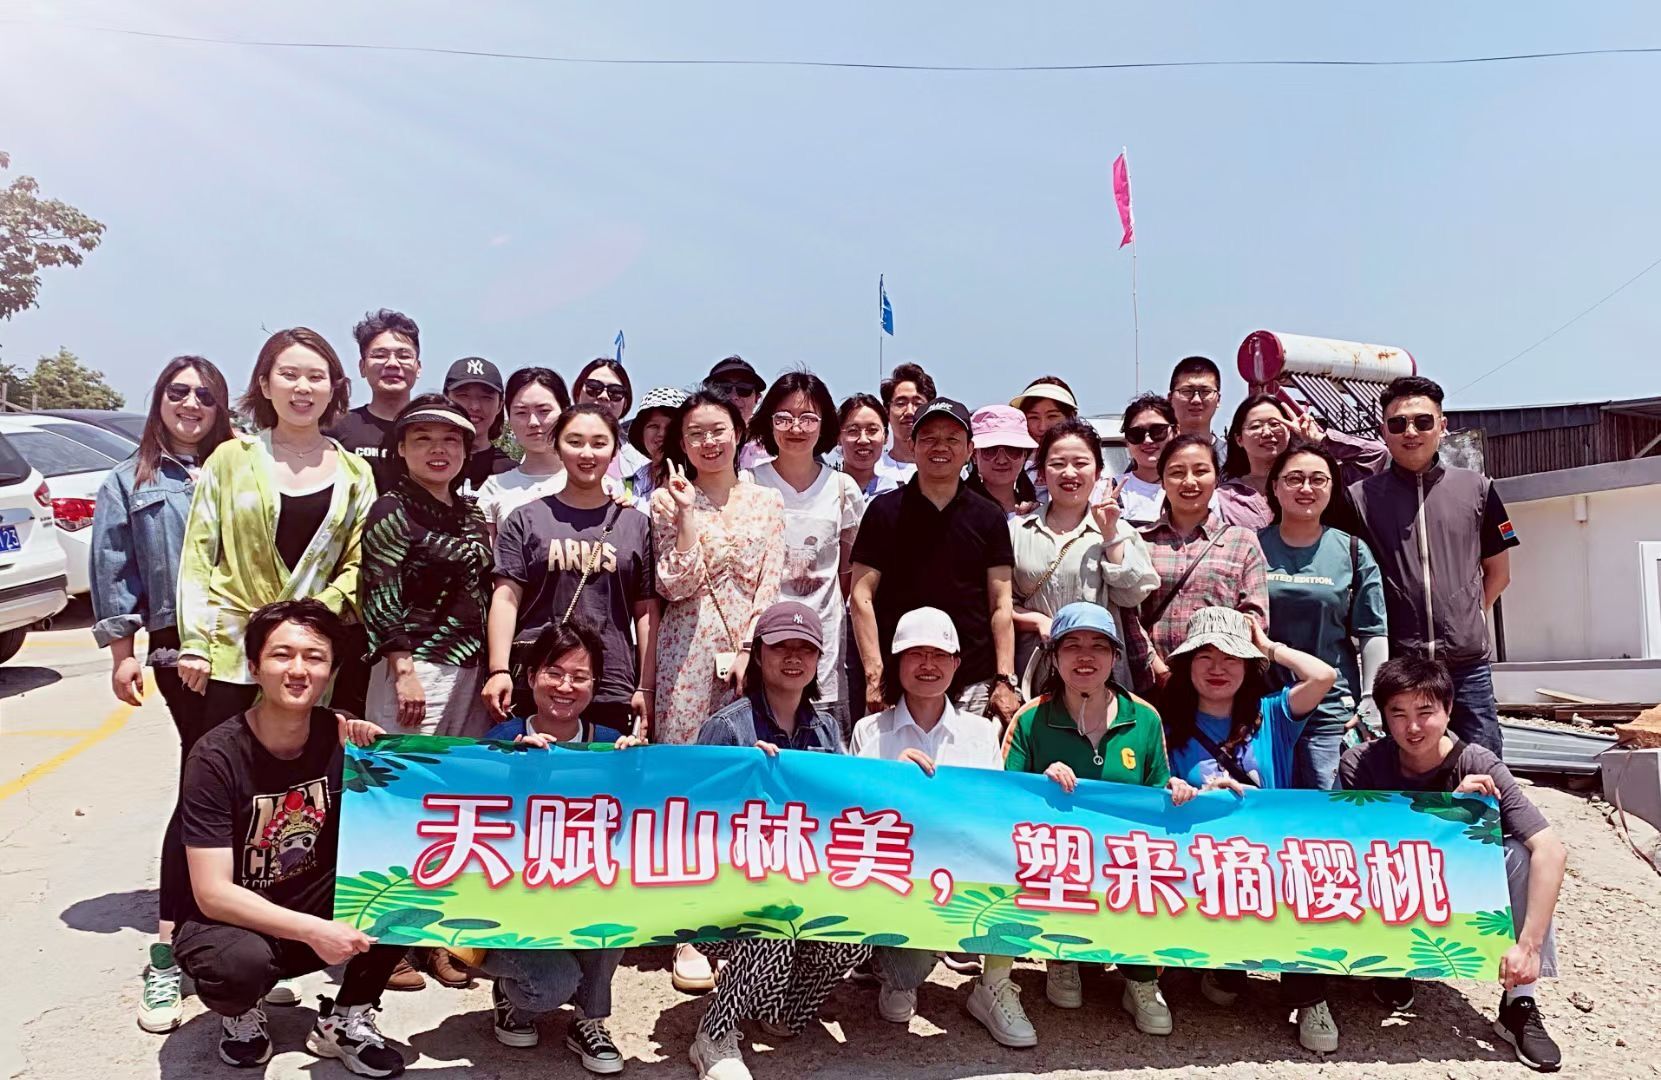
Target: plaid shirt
point(1231, 575)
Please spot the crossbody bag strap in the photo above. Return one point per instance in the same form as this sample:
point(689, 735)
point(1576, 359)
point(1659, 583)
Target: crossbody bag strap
point(709, 587)
point(1054, 566)
point(1151, 619)
point(1226, 760)
point(591, 564)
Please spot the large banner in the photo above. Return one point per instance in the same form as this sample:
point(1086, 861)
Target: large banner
point(448, 841)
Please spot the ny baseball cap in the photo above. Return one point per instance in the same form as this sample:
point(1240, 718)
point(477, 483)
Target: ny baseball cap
point(473, 369)
point(941, 406)
point(925, 627)
point(788, 620)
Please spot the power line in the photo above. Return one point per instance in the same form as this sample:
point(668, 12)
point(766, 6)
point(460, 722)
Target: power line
point(1505, 58)
point(1618, 289)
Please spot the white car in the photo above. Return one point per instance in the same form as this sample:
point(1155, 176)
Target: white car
point(74, 472)
point(33, 570)
point(110, 443)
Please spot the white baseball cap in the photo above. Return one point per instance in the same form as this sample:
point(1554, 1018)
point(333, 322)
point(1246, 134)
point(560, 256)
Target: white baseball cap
point(925, 626)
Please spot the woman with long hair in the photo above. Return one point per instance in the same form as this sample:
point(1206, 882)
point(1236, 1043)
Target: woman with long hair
point(646, 434)
point(578, 555)
point(1262, 427)
point(1326, 597)
point(138, 533)
point(822, 508)
point(1148, 424)
point(1202, 561)
point(535, 398)
point(1227, 727)
point(603, 382)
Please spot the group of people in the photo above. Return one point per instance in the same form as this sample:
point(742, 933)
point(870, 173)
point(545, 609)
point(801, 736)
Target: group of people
point(745, 563)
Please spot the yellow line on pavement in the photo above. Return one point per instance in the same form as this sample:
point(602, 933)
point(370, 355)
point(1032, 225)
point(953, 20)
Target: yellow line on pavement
point(55, 733)
point(113, 723)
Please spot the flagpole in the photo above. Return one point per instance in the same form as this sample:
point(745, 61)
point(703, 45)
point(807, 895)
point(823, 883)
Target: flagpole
point(1135, 319)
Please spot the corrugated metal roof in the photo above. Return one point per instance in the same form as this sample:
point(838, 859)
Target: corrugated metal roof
point(1545, 750)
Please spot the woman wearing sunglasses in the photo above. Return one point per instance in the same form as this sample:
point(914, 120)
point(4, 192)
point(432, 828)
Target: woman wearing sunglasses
point(998, 470)
point(138, 533)
point(1149, 423)
point(603, 382)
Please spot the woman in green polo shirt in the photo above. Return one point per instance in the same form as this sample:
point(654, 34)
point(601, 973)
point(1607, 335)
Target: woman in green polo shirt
point(1085, 726)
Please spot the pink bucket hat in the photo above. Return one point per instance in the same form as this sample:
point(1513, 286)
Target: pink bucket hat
point(1001, 425)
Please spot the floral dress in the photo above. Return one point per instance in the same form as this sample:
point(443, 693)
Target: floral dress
point(721, 586)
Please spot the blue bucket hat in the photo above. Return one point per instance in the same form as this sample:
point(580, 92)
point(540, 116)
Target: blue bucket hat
point(1083, 615)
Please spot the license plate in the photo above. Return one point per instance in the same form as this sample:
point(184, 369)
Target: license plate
point(9, 540)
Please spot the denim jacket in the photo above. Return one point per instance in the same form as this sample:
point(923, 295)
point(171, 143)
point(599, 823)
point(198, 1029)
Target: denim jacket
point(137, 537)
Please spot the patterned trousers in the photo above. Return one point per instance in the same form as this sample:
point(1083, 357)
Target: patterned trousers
point(779, 982)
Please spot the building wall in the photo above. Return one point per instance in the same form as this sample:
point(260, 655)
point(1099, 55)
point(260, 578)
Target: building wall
point(1575, 588)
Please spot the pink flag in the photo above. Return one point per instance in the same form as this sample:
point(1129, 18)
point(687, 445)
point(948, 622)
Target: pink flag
point(1121, 195)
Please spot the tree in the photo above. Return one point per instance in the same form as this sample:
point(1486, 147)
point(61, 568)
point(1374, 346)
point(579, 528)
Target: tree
point(36, 233)
point(59, 382)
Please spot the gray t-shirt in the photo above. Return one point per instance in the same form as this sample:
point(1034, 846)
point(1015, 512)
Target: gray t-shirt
point(544, 546)
point(1377, 767)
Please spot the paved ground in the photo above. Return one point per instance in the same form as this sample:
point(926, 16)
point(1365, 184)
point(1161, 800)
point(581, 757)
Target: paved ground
point(84, 787)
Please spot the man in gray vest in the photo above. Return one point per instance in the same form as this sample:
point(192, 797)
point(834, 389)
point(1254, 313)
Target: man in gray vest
point(1442, 539)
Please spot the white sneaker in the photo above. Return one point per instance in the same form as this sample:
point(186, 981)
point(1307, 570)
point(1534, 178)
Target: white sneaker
point(896, 1006)
point(1062, 985)
point(1317, 1030)
point(161, 1005)
point(998, 1007)
point(718, 1059)
point(1215, 992)
point(284, 993)
point(1147, 1007)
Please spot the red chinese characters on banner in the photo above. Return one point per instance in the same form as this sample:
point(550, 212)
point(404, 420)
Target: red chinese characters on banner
point(867, 846)
point(1233, 879)
point(465, 835)
point(567, 840)
point(1320, 880)
point(764, 843)
point(1054, 865)
point(1141, 872)
point(1405, 883)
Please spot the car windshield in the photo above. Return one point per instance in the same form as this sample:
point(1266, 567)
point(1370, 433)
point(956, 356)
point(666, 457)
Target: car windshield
point(107, 443)
point(12, 466)
point(129, 424)
point(54, 455)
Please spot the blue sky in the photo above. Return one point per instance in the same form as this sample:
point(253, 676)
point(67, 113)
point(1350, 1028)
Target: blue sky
point(526, 211)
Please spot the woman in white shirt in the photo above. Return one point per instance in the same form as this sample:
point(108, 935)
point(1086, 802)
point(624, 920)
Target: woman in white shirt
point(796, 423)
point(535, 398)
point(1149, 423)
point(923, 728)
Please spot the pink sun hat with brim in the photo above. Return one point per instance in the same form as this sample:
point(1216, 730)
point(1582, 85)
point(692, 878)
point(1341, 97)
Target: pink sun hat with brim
point(1001, 425)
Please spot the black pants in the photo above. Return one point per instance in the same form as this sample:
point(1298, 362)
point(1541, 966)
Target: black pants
point(194, 715)
point(351, 686)
point(234, 968)
point(1297, 991)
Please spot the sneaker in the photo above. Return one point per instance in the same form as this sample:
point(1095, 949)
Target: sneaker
point(896, 1006)
point(962, 963)
point(161, 1005)
point(591, 1042)
point(1147, 1007)
point(286, 992)
point(1062, 985)
point(405, 977)
point(1216, 991)
point(243, 1040)
point(691, 973)
point(998, 1007)
point(1395, 994)
point(718, 1059)
point(512, 1027)
point(1317, 1030)
point(1519, 1024)
point(350, 1035)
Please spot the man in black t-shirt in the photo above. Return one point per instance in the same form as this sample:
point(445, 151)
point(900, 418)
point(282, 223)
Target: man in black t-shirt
point(259, 805)
point(389, 359)
point(935, 543)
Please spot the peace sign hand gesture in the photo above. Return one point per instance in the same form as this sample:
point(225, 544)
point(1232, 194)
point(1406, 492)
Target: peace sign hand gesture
point(1107, 512)
point(680, 489)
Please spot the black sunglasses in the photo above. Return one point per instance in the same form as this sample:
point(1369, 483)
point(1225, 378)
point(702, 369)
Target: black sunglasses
point(1139, 435)
point(612, 391)
point(1396, 425)
point(177, 392)
point(737, 389)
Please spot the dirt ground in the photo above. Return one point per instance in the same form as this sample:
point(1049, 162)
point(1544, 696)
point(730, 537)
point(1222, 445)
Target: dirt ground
point(82, 791)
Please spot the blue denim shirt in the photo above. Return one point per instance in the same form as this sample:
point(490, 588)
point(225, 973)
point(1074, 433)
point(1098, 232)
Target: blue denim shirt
point(137, 538)
point(747, 720)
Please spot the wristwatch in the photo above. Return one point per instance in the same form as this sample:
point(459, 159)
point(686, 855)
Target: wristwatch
point(1011, 681)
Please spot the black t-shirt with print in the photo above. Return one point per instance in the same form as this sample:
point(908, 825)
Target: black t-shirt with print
point(279, 818)
point(482, 465)
point(364, 434)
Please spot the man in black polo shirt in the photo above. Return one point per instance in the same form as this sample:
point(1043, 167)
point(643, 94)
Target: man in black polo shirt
point(935, 543)
point(389, 359)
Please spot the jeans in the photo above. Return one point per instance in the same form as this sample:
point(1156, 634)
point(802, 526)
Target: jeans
point(1315, 760)
point(234, 967)
point(1475, 717)
point(538, 981)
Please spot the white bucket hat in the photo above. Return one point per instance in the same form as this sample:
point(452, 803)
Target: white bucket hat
point(1229, 631)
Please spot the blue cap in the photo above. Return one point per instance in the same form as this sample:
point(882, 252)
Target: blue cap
point(1083, 615)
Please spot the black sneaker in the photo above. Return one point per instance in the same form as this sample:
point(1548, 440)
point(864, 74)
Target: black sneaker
point(513, 1028)
point(1519, 1024)
point(1395, 994)
point(591, 1042)
point(349, 1035)
point(243, 1040)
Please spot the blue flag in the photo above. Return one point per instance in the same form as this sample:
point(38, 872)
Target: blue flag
point(887, 308)
point(619, 344)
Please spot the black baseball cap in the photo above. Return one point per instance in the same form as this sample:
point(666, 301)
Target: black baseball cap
point(943, 406)
point(736, 369)
point(473, 369)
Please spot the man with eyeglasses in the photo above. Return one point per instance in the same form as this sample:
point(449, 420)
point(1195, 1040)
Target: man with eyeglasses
point(1443, 540)
point(1196, 393)
point(389, 359)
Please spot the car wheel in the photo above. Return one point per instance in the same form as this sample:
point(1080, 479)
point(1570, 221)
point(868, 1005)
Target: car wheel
point(10, 642)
